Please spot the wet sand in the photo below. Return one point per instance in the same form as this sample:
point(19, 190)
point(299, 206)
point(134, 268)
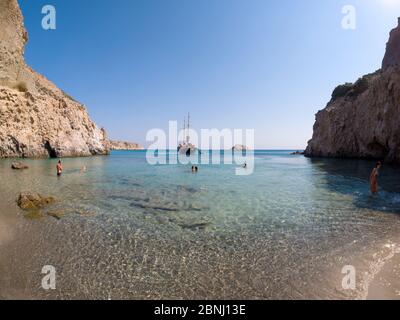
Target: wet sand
point(386, 283)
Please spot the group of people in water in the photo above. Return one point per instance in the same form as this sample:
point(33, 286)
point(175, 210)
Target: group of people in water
point(60, 169)
point(195, 169)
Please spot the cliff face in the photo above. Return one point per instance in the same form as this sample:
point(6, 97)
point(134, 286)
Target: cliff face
point(362, 119)
point(121, 145)
point(392, 55)
point(36, 118)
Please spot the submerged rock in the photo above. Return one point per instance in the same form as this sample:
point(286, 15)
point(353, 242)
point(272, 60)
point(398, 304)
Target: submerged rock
point(194, 207)
point(33, 201)
point(297, 153)
point(34, 215)
point(195, 226)
point(85, 213)
point(19, 166)
point(56, 214)
point(154, 207)
point(163, 220)
point(187, 189)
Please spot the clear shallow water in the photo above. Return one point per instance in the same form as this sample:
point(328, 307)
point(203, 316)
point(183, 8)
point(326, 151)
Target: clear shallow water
point(136, 231)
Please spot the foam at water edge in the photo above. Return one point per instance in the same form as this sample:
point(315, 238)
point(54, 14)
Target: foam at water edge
point(380, 259)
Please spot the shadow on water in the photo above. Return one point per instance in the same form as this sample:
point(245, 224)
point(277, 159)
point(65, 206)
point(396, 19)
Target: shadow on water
point(335, 170)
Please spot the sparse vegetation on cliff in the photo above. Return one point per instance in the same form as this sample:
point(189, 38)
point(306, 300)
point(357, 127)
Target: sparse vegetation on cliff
point(361, 120)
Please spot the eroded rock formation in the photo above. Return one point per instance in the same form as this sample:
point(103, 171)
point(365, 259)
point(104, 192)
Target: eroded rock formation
point(362, 120)
point(36, 118)
point(392, 55)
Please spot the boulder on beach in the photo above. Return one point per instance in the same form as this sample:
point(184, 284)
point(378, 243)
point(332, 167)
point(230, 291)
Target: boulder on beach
point(33, 201)
point(297, 153)
point(18, 166)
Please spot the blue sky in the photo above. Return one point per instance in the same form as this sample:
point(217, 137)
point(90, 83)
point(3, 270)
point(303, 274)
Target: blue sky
point(267, 65)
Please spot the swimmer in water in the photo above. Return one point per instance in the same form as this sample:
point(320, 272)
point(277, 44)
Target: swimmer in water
point(59, 168)
point(195, 169)
point(373, 179)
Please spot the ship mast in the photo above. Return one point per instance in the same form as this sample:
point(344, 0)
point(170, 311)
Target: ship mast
point(184, 128)
point(188, 132)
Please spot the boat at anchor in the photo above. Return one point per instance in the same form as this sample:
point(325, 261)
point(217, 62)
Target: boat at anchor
point(186, 147)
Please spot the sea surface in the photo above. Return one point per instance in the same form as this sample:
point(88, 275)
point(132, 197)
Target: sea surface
point(131, 230)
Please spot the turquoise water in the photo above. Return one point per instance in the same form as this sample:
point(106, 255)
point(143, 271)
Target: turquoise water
point(133, 231)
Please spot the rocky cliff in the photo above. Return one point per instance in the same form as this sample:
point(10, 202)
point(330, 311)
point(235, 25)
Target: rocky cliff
point(122, 145)
point(362, 120)
point(36, 118)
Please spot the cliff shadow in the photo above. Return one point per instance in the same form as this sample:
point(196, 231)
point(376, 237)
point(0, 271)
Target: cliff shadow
point(388, 199)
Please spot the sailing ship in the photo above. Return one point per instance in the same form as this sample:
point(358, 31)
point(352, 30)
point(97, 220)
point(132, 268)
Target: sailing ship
point(186, 147)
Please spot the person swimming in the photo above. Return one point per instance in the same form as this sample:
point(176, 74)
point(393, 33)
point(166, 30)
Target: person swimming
point(59, 168)
point(373, 179)
point(195, 169)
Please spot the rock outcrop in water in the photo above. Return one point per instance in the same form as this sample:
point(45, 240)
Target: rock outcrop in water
point(36, 118)
point(362, 119)
point(33, 201)
point(19, 166)
point(122, 145)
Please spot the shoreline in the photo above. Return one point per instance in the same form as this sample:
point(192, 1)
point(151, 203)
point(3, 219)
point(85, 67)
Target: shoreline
point(384, 280)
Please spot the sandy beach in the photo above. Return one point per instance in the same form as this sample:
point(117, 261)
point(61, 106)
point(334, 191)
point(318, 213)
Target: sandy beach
point(386, 282)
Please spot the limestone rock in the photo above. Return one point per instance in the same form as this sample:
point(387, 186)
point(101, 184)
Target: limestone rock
point(37, 119)
point(33, 201)
point(297, 153)
point(58, 215)
point(362, 119)
point(122, 145)
point(19, 166)
point(392, 55)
